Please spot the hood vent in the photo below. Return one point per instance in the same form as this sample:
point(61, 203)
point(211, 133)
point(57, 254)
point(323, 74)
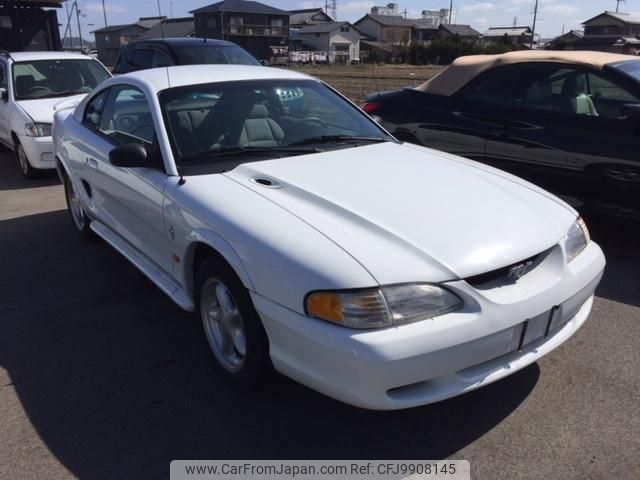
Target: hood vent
point(267, 182)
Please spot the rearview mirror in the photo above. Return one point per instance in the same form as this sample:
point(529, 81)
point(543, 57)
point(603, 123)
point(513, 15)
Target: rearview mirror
point(130, 155)
point(630, 111)
point(4, 94)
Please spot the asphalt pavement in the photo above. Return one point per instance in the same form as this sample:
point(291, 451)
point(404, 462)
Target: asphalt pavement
point(102, 376)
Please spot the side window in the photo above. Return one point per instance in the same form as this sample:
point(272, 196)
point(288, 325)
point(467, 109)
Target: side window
point(126, 117)
point(161, 58)
point(492, 88)
point(94, 109)
point(142, 57)
point(608, 97)
point(3, 76)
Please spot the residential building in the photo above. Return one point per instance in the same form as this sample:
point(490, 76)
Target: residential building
point(611, 32)
point(423, 30)
point(567, 41)
point(390, 9)
point(341, 40)
point(254, 26)
point(463, 33)
point(171, 28)
point(389, 29)
point(111, 39)
point(308, 16)
point(26, 26)
point(515, 36)
point(436, 17)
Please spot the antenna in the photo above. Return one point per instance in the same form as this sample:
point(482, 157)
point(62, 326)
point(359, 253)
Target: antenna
point(330, 8)
point(515, 22)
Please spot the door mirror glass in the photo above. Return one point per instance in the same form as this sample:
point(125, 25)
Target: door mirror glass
point(630, 111)
point(4, 94)
point(130, 155)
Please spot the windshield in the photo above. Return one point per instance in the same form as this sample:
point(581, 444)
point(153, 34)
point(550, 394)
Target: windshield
point(56, 78)
point(209, 122)
point(631, 68)
point(208, 53)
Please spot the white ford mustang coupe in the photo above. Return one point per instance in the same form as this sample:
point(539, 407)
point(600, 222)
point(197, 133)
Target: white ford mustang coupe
point(309, 240)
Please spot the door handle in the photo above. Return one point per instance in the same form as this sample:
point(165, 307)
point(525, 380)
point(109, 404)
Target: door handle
point(92, 162)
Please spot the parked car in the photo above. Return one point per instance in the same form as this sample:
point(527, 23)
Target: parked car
point(31, 84)
point(568, 121)
point(305, 237)
point(166, 52)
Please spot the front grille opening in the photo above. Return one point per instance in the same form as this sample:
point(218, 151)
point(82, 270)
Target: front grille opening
point(508, 274)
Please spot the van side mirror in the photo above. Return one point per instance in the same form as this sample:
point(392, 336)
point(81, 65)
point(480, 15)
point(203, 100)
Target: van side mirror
point(630, 111)
point(4, 94)
point(130, 155)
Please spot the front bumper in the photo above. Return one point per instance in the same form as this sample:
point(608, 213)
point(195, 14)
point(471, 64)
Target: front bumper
point(39, 151)
point(431, 360)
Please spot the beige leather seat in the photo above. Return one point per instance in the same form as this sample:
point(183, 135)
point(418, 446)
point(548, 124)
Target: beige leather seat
point(259, 130)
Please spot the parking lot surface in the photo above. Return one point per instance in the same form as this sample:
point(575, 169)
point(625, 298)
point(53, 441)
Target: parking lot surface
point(102, 376)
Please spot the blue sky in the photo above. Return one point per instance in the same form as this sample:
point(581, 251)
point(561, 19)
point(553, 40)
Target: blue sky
point(480, 14)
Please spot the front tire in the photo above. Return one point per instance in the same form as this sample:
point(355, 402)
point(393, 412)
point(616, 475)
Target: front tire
point(231, 325)
point(23, 162)
point(76, 212)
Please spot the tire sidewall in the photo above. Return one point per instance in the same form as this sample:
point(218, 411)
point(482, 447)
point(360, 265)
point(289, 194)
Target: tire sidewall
point(29, 172)
point(257, 363)
point(85, 230)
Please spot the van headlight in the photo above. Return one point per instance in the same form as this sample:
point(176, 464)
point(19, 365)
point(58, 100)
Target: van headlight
point(37, 129)
point(577, 239)
point(382, 307)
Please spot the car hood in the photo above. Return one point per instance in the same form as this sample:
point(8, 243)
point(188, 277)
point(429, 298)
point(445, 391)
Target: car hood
point(408, 213)
point(41, 110)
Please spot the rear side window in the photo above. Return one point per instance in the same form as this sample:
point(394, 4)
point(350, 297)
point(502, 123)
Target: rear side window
point(492, 88)
point(94, 110)
point(142, 57)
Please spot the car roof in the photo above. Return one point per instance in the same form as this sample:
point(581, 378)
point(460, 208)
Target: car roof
point(32, 56)
point(465, 69)
point(168, 77)
point(183, 41)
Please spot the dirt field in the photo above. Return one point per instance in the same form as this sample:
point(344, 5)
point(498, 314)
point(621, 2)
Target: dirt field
point(357, 81)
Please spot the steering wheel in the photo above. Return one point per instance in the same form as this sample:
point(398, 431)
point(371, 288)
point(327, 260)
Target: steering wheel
point(37, 88)
point(318, 120)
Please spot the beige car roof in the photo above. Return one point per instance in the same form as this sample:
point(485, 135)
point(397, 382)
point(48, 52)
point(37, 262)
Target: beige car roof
point(464, 69)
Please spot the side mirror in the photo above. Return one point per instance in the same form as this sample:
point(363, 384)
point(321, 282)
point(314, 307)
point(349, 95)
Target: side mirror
point(4, 94)
point(630, 111)
point(131, 155)
point(265, 63)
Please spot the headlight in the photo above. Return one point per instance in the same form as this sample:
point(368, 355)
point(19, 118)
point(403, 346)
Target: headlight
point(382, 307)
point(38, 129)
point(577, 239)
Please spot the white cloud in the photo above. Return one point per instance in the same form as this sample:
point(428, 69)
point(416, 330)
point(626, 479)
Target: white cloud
point(110, 8)
point(477, 7)
point(560, 9)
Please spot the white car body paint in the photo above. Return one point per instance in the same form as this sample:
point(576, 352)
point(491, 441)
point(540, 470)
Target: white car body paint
point(353, 218)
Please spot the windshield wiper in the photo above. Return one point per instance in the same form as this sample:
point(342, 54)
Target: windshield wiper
point(231, 151)
point(337, 139)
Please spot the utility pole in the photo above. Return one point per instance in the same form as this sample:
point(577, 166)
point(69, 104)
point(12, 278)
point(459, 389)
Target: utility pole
point(618, 2)
point(104, 12)
point(75, 4)
point(161, 26)
point(450, 10)
point(535, 17)
point(66, 4)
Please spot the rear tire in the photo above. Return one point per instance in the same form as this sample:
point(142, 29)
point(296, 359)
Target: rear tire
point(23, 162)
point(231, 325)
point(79, 218)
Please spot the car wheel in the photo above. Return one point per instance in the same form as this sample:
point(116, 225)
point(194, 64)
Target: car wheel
point(23, 162)
point(231, 324)
point(76, 212)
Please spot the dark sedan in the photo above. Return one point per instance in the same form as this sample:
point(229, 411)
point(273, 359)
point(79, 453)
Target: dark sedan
point(167, 52)
point(568, 121)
